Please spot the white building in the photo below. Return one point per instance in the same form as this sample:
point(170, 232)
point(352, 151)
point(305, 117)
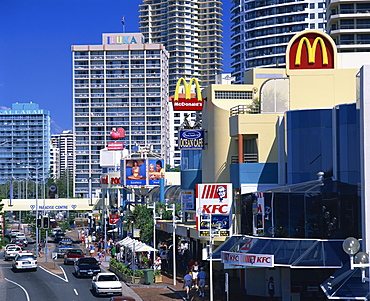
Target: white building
point(121, 83)
point(261, 30)
point(191, 31)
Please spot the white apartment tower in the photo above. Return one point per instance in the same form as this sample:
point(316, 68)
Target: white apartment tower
point(121, 83)
point(191, 31)
point(63, 153)
point(261, 30)
point(348, 23)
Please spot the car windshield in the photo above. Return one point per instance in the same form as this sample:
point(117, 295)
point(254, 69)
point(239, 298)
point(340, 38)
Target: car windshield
point(77, 252)
point(107, 278)
point(88, 262)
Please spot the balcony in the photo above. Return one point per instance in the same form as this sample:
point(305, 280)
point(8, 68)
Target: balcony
point(247, 158)
point(245, 109)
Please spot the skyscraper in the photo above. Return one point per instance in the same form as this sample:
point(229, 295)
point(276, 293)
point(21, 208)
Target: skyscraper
point(191, 31)
point(24, 143)
point(121, 83)
point(262, 29)
point(349, 25)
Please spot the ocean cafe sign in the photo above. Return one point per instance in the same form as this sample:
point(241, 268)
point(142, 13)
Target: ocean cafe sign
point(187, 101)
point(191, 139)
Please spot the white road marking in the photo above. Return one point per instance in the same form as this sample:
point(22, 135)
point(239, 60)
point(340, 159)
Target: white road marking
point(75, 292)
point(27, 296)
point(65, 276)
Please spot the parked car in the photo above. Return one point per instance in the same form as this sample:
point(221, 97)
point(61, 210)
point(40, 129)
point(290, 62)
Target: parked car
point(24, 260)
point(11, 252)
point(72, 255)
point(107, 284)
point(86, 266)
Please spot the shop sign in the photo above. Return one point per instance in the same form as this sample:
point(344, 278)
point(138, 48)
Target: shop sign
point(191, 139)
point(188, 101)
point(247, 259)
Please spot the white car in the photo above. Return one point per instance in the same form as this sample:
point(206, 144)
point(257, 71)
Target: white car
point(23, 238)
point(24, 260)
point(11, 252)
point(107, 284)
point(14, 232)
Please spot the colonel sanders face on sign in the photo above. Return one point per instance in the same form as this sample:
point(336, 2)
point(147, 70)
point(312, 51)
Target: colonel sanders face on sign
point(221, 192)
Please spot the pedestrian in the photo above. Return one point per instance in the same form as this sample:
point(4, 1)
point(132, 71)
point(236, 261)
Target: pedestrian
point(157, 263)
point(202, 281)
point(195, 270)
point(271, 288)
point(188, 282)
point(92, 250)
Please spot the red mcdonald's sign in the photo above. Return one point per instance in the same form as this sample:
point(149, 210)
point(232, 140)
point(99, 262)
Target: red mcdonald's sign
point(311, 49)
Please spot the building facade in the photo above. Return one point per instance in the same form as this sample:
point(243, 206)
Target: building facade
point(262, 29)
point(121, 83)
point(191, 31)
point(25, 143)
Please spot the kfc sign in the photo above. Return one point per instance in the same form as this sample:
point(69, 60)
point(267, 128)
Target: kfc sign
point(246, 259)
point(213, 203)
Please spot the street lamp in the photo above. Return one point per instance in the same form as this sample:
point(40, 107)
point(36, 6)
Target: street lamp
point(357, 259)
point(155, 217)
point(175, 219)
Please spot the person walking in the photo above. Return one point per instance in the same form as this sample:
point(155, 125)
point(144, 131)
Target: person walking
point(195, 270)
point(188, 282)
point(201, 281)
point(271, 288)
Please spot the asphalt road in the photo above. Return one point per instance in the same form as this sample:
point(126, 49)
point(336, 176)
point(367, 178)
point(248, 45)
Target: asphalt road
point(43, 285)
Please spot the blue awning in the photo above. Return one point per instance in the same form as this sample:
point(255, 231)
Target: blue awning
point(293, 253)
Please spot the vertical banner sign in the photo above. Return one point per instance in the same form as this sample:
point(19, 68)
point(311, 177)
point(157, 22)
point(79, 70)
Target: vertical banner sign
point(259, 214)
point(213, 202)
point(187, 199)
point(156, 171)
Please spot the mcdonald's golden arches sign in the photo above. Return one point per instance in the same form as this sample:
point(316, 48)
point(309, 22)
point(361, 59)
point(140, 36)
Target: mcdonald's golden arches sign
point(311, 49)
point(187, 101)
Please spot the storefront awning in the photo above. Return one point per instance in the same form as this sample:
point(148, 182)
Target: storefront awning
point(136, 245)
point(288, 252)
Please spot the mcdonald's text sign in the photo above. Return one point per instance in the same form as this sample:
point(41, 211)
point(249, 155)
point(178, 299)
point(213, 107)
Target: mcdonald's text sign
point(188, 101)
point(311, 50)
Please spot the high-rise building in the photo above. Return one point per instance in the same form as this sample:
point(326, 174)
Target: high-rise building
point(24, 143)
point(348, 23)
point(63, 150)
point(262, 29)
point(191, 31)
point(121, 83)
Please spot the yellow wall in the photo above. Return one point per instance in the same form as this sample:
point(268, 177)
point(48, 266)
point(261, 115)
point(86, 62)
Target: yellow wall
point(310, 89)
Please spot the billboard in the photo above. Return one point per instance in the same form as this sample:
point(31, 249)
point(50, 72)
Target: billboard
point(187, 101)
point(191, 139)
point(213, 203)
point(142, 171)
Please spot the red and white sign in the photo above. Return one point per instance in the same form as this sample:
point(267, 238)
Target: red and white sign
point(113, 219)
point(247, 259)
point(213, 203)
point(112, 146)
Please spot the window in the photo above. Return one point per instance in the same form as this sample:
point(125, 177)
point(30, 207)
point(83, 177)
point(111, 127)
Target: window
point(312, 16)
point(312, 5)
point(233, 95)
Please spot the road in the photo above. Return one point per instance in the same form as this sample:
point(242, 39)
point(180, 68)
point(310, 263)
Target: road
point(43, 285)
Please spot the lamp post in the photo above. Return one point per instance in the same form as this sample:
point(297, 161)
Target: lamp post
point(172, 207)
point(155, 217)
point(357, 259)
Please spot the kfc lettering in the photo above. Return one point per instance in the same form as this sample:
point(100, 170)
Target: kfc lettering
point(220, 209)
point(258, 260)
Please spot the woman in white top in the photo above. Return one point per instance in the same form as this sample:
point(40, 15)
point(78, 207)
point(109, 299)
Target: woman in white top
point(195, 270)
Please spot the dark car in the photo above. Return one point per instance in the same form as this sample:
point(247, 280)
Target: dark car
point(18, 242)
point(59, 235)
point(86, 266)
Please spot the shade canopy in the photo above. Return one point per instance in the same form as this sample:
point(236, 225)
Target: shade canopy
point(136, 245)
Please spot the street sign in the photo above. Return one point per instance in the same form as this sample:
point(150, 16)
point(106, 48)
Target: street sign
point(54, 255)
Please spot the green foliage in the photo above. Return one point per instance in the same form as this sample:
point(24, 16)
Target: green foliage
point(142, 219)
point(157, 272)
point(173, 169)
point(139, 273)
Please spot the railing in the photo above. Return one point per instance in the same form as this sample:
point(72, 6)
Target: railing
point(244, 109)
point(247, 158)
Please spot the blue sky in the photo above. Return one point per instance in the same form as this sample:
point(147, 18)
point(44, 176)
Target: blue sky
point(35, 47)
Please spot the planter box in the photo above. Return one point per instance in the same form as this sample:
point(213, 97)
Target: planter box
point(158, 278)
point(126, 278)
